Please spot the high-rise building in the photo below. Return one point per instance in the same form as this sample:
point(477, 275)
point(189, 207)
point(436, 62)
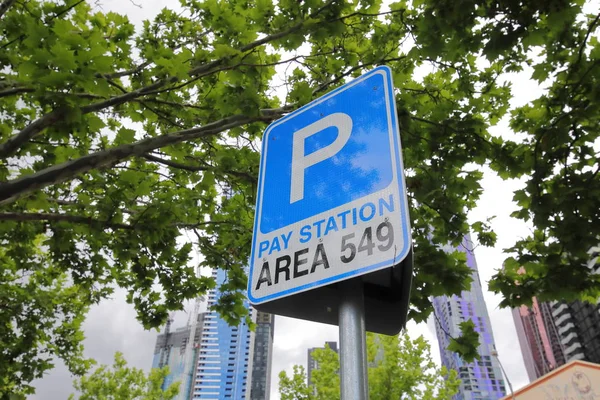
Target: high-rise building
point(222, 362)
point(263, 354)
point(554, 333)
point(539, 339)
point(481, 379)
point(312, 363)
point(578, 322)
point(170, 350)
point(224, 365)
point(578, 326)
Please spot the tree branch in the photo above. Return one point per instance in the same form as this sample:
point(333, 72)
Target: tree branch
point(351, 70)
point(257, 43)
point(364, 14)
point(62, 202)
point(14, 142)
point(427, 121)
point(5, 6)
point(15, 90)
point(128, 72)
point(13, 216)
point(196, 168)
point(66, 10)
point(593, 176)
point(196, 225)
point(440, 324)
point(117, 100)
point(12, 190)
point(176, 104)
point(587, 35)
point(173, 164)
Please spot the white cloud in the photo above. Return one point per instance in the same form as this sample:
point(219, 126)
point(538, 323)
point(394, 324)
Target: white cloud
point(109, 327)
point(293, 338)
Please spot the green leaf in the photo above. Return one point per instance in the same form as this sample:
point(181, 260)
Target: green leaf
point(222, 50)
point(124, 135)
point(302, 93)
point(95, 123)
point(63, 58)
point(467, 344)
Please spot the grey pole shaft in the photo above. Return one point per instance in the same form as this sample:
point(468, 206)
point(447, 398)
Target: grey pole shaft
point(495, 354)
point(353, 346)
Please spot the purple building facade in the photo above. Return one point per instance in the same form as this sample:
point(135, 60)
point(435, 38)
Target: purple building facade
point(481, 379)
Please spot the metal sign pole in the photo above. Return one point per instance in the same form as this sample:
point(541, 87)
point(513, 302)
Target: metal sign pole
point(353, 346)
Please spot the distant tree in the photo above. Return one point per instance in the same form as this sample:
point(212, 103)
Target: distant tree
point(326, 379)
point(124, 383)
point(296, 386)
point(398, 368)
point(117, 145)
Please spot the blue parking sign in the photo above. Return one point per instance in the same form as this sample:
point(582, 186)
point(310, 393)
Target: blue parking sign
point(331, 200)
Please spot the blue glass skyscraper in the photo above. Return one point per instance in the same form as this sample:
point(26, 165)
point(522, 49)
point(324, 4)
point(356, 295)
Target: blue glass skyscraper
point(481, 379)
point(170, 350)
point(224, 357)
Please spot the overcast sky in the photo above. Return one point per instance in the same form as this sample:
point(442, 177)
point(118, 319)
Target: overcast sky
point(111, 326)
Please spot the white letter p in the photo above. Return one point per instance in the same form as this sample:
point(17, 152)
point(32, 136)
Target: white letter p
point(300, 162)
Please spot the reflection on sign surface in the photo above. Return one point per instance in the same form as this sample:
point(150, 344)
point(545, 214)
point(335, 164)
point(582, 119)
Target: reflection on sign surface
point(331, 200)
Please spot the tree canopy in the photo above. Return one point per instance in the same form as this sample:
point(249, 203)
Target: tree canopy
point(118, 144)
point(398, 368)
point(124, 383)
